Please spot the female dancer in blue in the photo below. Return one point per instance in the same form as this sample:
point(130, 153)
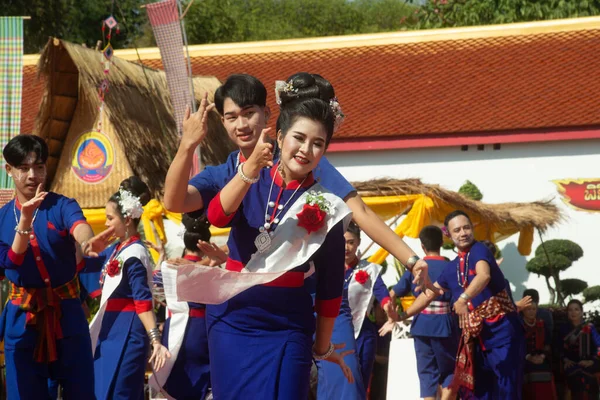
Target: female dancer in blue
point(262, 334)
point(187, 373)
point(125, 322)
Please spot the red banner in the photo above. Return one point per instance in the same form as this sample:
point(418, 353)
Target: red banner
point(581, 194)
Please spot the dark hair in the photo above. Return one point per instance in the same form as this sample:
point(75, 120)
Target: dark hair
point(306, 86)
point(491, 247)
point(455, 214)
point(244, 90)
point(196, 228)
point(314, 109)
point(136, 187)
point(535, 296)
point(575, 301)
point(431, 238)
point(354, 229)
point(19, 147)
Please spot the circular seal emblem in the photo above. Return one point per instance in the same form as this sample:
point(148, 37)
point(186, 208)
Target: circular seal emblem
point(92, 157)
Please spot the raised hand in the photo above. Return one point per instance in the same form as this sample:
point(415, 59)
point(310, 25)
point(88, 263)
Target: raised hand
point(212, 251)
point(261, 157)
point(386, 328)
point(338, 358)
point(101, 241)
point(29, 207)
point(523, 303)
point(195, 126)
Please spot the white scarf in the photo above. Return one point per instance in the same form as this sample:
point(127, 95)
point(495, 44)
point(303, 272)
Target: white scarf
point(360, 296)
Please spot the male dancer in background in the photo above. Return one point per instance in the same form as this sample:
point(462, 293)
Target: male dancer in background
point(491, 353)
point(435, 329)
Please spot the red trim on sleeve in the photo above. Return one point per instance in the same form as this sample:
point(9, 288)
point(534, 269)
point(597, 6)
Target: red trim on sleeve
point(385, 301)
point(234, 265)
point(15, 258)
point(142, 306)
point(328, 308)
point(216, 215)
point(95, 293)
point(76, 224)
point(81, 265)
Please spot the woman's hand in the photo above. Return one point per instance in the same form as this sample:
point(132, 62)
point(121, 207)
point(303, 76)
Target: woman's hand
point(159, 356)
point(586, 363)
point(386, 328)
point(29, 207)
point(261, 157)
point(215, 253)
point(159, 248)
point(568, 363)
point(338, 358)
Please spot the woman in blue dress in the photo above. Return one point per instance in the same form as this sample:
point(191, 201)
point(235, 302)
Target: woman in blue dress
point(261, 328)
point(125, 323)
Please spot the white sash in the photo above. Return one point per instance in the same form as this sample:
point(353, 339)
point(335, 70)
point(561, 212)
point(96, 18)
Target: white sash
point(291, 246)
point(111, 282)
point(360, 296)
point(179, 318)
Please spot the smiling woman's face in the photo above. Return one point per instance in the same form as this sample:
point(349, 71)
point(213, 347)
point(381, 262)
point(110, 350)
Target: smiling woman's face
point(302, 147)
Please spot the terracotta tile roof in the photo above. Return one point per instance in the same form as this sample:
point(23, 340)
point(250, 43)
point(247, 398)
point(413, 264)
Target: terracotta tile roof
point(437, 87)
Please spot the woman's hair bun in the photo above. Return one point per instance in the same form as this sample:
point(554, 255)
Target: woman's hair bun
point(305, 85)
point(138, 188)
point(195, 223)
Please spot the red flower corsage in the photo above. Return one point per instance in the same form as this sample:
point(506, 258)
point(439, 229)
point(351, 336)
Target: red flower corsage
point(361, 276)
point(113, 267)
point(586, 329)
point(311, 218)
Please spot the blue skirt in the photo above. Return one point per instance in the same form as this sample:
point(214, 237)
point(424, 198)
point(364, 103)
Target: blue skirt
point(120, 357)
point(261, 344)
point(190, 376)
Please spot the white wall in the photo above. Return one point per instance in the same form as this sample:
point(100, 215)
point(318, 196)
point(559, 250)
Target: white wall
point(515, 173)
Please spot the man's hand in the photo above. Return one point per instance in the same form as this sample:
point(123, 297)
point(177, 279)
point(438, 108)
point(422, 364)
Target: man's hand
point(261, 157)
point(195, 126)
point(101, 241)
point(461, 309)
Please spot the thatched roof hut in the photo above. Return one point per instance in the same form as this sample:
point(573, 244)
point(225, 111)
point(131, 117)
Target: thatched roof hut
point(139, 134)
point(538, 214)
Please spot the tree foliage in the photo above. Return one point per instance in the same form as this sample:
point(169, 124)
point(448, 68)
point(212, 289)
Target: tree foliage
point(78, 21)
point(470, 190)
point(591, 293)
point(551, 258)
point(452, 13)
point(571, 287)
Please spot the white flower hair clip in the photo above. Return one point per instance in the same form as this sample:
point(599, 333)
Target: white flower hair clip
point(283, 87)
point(130, 204)
point(339, 116)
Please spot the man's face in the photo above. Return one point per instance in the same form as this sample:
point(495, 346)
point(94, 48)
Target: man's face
point(244, 125)
point(28, 175)
point(461, 232)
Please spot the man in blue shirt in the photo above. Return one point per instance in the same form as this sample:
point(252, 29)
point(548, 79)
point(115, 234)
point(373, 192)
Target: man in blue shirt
point(435, 329)
point(491, 355)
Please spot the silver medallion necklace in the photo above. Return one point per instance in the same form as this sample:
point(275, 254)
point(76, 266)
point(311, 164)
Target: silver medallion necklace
point(263, 240)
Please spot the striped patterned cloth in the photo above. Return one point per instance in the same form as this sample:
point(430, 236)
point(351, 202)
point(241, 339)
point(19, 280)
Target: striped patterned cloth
point(11, 83)
point(437, 308)
point(164, 19)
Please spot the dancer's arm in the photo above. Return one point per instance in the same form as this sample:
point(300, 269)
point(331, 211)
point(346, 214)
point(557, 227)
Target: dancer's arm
point(12, 257)
point(179, 196)
point(422, 301)
point(142, 299)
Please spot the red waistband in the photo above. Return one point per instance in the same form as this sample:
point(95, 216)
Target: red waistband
point(120, 305)
point(197, 312)
point(289, 279)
